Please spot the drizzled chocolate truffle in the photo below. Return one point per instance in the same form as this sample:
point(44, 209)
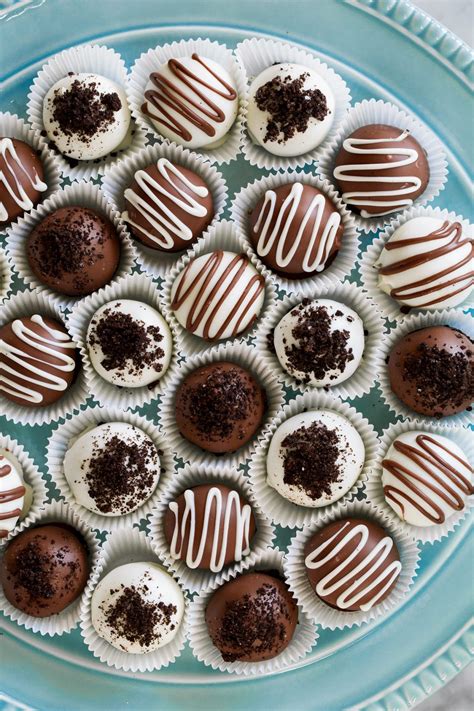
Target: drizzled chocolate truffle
point(21, 179)
point(16, 495)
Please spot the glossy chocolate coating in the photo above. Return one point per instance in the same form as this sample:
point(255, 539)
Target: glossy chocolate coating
point(21, 178)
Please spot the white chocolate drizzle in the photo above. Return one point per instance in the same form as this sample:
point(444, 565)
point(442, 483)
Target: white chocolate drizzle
point(15, 180)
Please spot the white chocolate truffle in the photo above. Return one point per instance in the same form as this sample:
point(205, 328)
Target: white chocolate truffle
point(86, 116)
point(15, 494)
point(137, 608)
point(426, 478)
point(315, 458)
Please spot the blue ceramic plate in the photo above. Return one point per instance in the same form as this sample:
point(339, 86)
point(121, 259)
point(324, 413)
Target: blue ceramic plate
point(384, 49)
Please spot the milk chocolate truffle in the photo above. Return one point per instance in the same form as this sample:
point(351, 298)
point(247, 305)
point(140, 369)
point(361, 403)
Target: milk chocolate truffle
point(15, 494)
point(168, 206)
point(381, 169)
point(44, 569)
point(431, 371)
point(296, 230)
point(21, 179)
point(209, 527)
point(74, 251)
point(219, 407)
point(251, 618)
point(38, 360)
point(352, 564)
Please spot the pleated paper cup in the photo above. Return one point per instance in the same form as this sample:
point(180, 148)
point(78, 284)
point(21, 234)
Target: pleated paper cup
point(63, 436)
point(67, 620)
point(374, 487)
point(278, 509)
point(154, 261)
point(369, 112)
point(85, 59)
point(257, 55)
point(345, 259)
point(76, 195)
point(319, 611)
point(6, 277)
point(27, 303)
point(195, 580)
point(370, 262)
point(122, 547)
point(448, 317)
point(351, 295)
point(138, 287)
point(150, 61)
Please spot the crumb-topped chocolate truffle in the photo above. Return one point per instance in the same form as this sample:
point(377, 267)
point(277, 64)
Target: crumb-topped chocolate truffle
point(21, 179)
point(15, 494)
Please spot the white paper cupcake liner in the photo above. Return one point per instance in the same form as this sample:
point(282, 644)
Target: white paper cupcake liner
point(149, 62)
point(374, 487)
point(258, 54)
point(313, 606)
point(344, 261)
point(303, 641)
point(194, 579)
point(78, 194)
point(247, 357)
point(128, 546)
point(390, 307)
point(59, 443)
point(351, 295)
point(138, 287)
point(154, 261)
point(27, 303)
point(67, 620)
point(371, 111)
point(6, 277)
point(447, 317)
point(224, 236)
point(278, 509)
point(95, 59)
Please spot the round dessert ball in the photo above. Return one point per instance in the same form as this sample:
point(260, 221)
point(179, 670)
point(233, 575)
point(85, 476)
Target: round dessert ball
point(320, 342)
point(251, 618)
point(74, 251)
point(290, 109)
point(428, 263)
point(16, 496)
point(219, 407)
point(22, 179)
point(44, 569)
point(218, 295)
point(168, 206)
point(426, 478)
point(137, 608)
point(209, 526)
point(431, 371)
point(296, 230)
point(86, 116)
point(38, 361)
point(129, 343)
point(381, 169)
point(315, 458)
point(352, 564)
point(112, 469)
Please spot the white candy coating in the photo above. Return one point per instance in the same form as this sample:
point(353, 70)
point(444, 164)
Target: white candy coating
point(15, 494)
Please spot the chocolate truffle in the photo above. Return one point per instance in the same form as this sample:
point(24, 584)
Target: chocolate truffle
point(315, 458)
point(21, 179)
point(192, 100)
point(44, 569)
point(352, 564)
point(209, 526)
point(251, 618)
point(290, 109)
point(129, 343)
point(168, 206)
point(15, 494)
point(296, 230)
point(86, 116)
point(381, 169)
point(219, 407)
point(431, 371)
point(74, 251)
point(320, 342)
point(218, 295)
point(112, 469)
point(38, 360)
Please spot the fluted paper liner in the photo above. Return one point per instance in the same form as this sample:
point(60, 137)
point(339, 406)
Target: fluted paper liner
point(6, 277)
